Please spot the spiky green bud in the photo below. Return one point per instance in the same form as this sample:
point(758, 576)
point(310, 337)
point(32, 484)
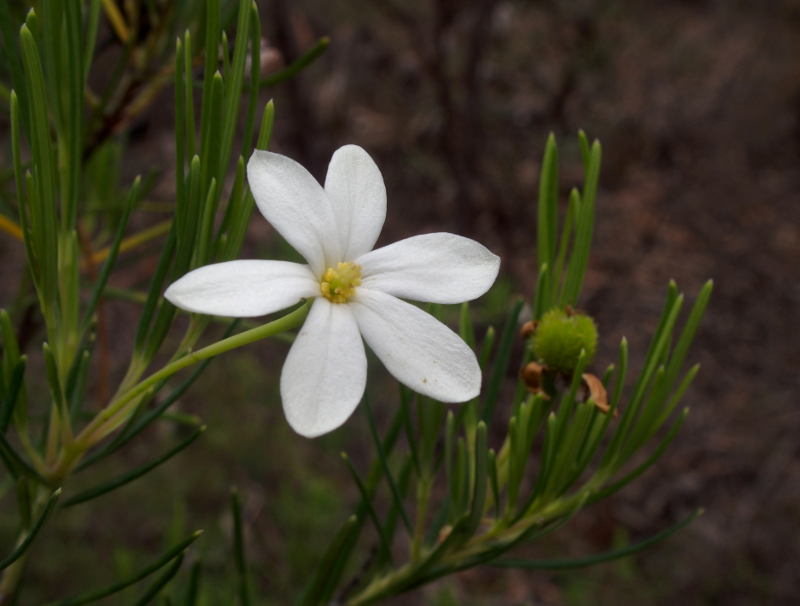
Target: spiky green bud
point(560, 336)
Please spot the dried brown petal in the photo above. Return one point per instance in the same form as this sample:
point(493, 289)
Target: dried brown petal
point(597, 391)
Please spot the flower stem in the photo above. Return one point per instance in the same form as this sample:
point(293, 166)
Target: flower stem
point(94, 430)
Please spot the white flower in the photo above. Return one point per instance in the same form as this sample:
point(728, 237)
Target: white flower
point(355, 290)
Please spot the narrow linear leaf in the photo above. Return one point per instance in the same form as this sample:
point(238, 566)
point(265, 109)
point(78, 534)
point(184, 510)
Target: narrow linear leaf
point(481, 478)
point(255, 73)
point(154, 292)
point(115, 483)
point(586, 152)
point(42, 214)
point(211, 135)
point(188, 96)
point(486, 347)
point(331, 567)
point(139, 424)
point(566, 564)
point(19, 463)
point(193, 590)
point(547, 209)
point(563, 246)
point(93, 19)
point(20, 549)
point(583, 228)
point(465, 328)
point(76, 384)
point(502, 360)
point(398, 500)
point(11, 395)
point(531, 533)
point(233, 89)
point(386, 550)
point(150, 594)
point(406, 399)
point(622, 369)
point(238, 549)
point(113, 251)
point(494, 482)
point(162, 561)
point(540, 302)
point(611, 489)
point(299, 64)
point(323, 583)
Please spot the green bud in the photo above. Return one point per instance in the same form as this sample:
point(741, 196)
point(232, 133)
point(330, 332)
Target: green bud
point(560, 336)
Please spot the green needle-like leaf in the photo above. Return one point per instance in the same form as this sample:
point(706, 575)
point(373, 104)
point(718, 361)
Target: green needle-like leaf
point(406, 399)
point(92, 21)
point(20, 549)
point(481, 479)
point(115, 483)
point(323, 584)
point(540, 297)
point(193, 590)
point(465, 328)
point(11, 395)
point(586, 152)
point(622, 369)
point(152, 592)
point(299, 64)
point(188, 96)
point(76, 384)
point(42, 214)
point(105, 272)
point(398, 500)
point(10, 56)
point(502, 360)
point(138, 424)
point(583, 229)
point(16, 463)
point(141, 347)
point(486, 347)
point(494, 483)
point(563, 247)
point(547, 216)
point(255, 74)
point(616, 554)
point(366, 500)
point(238, 549)
point(639, 470)
point(333, 563)
point(233, 89)
point(162, 561)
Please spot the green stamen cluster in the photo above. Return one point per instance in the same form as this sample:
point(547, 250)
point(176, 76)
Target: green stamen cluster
point(339, 285)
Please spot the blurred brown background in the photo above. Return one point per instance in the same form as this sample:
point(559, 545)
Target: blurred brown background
point(697, 104)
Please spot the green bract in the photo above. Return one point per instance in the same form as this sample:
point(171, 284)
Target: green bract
point(560, 337)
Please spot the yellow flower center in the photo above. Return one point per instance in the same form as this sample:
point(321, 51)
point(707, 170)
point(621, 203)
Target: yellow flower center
point(339, 285)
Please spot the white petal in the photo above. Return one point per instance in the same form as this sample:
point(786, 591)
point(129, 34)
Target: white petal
point(243, 289)
point(325, 372)
point(435, 268)
point(416, 348)
point(355, 187)
point(296, 205)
